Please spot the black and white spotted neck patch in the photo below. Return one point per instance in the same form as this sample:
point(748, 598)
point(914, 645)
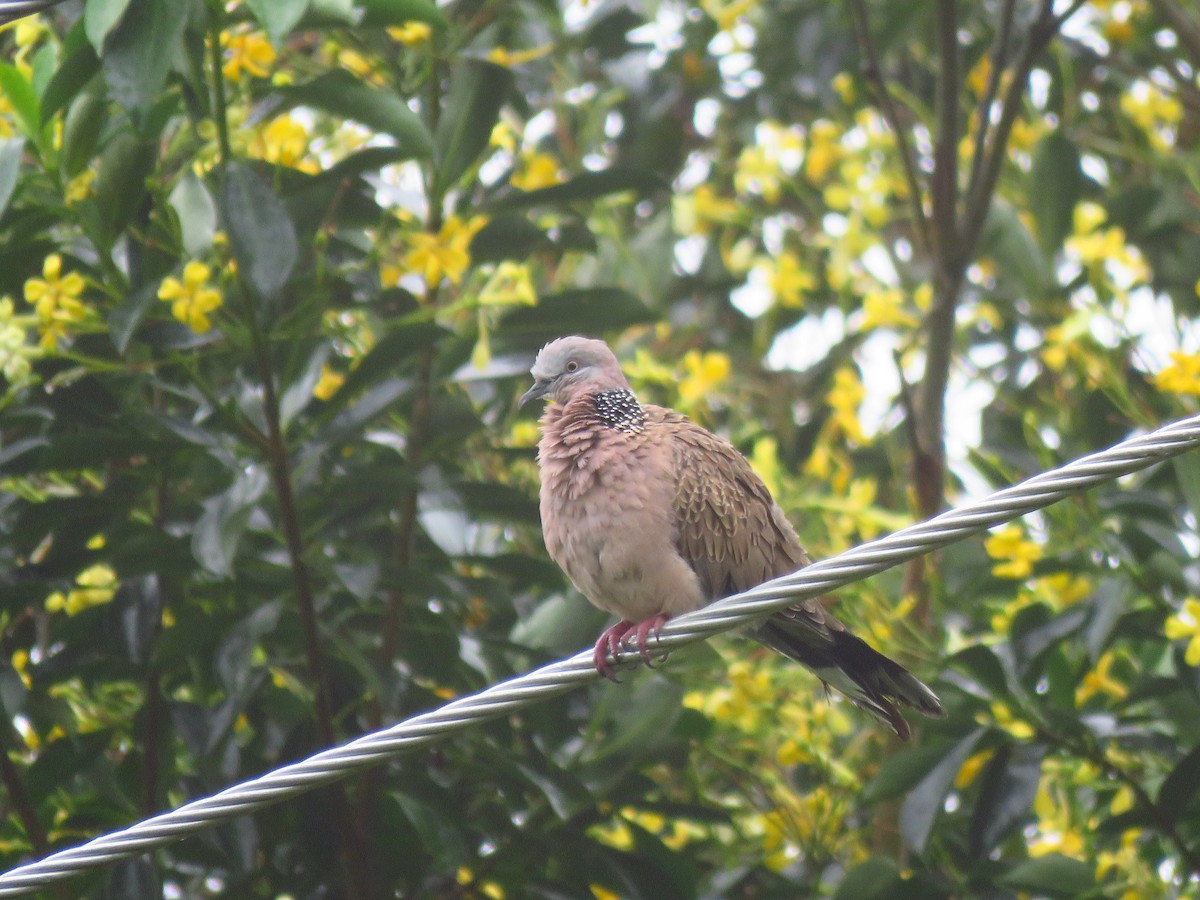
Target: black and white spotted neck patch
point(619, 410)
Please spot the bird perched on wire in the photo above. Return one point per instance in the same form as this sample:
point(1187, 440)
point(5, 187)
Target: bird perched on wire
point(650, 516)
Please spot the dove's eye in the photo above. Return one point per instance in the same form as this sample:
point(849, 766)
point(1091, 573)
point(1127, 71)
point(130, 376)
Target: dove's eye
point(572, 366)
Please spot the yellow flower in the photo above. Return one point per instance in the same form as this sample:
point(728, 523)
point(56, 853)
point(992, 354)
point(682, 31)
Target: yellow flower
point(284, 142)
point(536, 170)
point(696, 213)
point(1055, 831)
point(824, 149)
point(509, 58)
point(844, 399)
point(1100, 681)
point(971, 768)
point(1062, 589)
point(727, 13)
point(1182, 376)
point(95, 586)
point(1185, 624)
point(786, 278)
point(885, 309)
point(758, 172)
point(703, 375)
point(446, 253)
point(1015, 553)
point(55, 299)
point(1002, 717)
point(79, 187)
point(191, 299)
point(329, 382)
point(410, 34)
point(602, 893)
point(20, 664)
point(248, 51)
point(509, 285)
point(843, 86)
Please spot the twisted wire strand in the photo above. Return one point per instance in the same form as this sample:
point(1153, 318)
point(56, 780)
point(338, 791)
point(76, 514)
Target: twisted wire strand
point(11, 10)
point(557, 678)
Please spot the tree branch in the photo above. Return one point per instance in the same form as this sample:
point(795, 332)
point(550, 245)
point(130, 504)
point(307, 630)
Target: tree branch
point(946, 132)
point(999, 58)
point(873, 72)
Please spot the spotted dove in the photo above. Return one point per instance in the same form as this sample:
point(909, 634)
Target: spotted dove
point(651, 516)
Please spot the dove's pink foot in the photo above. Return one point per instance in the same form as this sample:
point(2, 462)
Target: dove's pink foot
point(644, 630)
point(608, 645)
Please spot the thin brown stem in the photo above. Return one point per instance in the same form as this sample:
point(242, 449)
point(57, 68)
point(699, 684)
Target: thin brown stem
point(999, 60)
point(873, 72)
point(946, 133)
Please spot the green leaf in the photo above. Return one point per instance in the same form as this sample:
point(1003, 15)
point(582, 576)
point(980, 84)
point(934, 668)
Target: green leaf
point(11, 152)
point(124, 320)
point(901, 771)
point(75, 72)
point(277, 17)
point(586, 186)
point(1055, 185)
point(1008, 241)
point(926, 800)
point(1009, 784)
point(1054, 875)
point(81, 132)
point(99, 18)
point(341, 94)
point(876, 879)
point(121, 181)
point(197, 213)
point(260, 233)
point(383, 13)
point(477, 92)
point(219, 529)
point(19, 92)
point(1187, 473)
point(1181, 785)
point(583, 310)
point(507, 237)
point(138, 54)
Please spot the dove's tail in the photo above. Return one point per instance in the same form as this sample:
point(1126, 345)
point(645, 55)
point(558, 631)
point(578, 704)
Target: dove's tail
point(855, 668)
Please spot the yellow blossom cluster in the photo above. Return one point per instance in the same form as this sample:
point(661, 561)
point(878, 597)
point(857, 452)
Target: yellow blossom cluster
point(702, 210)
point(192, 299)
point(284, 141)
point(764, 167)
point(246, 52)
point(1014, 553)
point(1100, 680)
point(442, 255)
point(703, 374)
point(844, 399)
point(1185, 626)
point(1098, 248)
point(1182, 376)
point(94, 586)
point(55, 299)
point(1057, 591)
point(411, 34)
point(16, 356)
point(536, 170)
point(1154, 111)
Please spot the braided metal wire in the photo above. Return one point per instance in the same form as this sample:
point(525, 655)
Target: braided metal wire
point(559, 677)
point(11, 10)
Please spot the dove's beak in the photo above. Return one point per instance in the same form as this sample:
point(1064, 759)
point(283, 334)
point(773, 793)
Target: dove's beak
point(539, 390)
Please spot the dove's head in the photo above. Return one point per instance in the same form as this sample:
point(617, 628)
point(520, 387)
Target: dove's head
point(571, 366)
